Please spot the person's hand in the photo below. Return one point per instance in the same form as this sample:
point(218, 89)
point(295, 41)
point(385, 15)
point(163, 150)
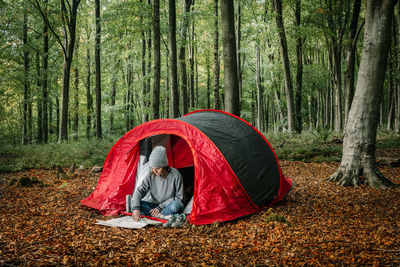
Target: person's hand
point(136, 215)
point(154, 212)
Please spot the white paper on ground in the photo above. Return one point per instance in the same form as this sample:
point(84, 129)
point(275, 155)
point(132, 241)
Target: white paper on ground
point(128, 222)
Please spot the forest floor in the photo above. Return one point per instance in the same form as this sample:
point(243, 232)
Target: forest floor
point(319, 223)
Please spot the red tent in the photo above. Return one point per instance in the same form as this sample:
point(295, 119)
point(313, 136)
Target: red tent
point(228, 164)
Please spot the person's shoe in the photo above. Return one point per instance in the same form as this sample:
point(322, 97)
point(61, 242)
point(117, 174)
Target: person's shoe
point(170, 221)
point(179, 221)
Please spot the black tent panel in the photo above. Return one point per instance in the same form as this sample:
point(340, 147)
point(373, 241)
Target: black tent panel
point(249, 156)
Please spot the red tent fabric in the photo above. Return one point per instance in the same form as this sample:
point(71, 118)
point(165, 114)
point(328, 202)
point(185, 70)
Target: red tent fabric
point(219, 195)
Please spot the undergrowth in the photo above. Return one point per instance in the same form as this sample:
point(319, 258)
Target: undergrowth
point(85, 152)
point(318, 146)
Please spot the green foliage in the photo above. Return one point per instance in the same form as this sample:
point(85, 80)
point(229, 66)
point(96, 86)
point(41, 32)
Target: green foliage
point(87, 153)
point(274, 217)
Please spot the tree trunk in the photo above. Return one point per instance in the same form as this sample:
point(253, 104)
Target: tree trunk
point(26, 82)
point(57, 115)
point(98, 68)
point(191, 61)
point(173, 59)
point(299, 73)
point(182, 58)
point(286, 67)
point(397, 112)
point(148, 78)
point(350, 59)
point(259, 90)
point(88, 95)
point(69, 21)
point(358, 159)
point(390, 95)
point(144, 101)
point(217, 104)
point(238, 53)
point(39, 100)
point(112, 104)
point(45, 60)
point(157, 61)
point(167, 87)
point(208, 81)
point(231, 79)
point(76, 98)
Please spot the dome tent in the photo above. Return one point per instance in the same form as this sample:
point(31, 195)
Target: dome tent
point(231, 166)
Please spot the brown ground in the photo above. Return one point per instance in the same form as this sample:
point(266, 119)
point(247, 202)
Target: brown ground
point(326, 225)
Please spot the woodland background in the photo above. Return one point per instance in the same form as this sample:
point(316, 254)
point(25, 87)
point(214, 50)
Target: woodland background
point(76, 75)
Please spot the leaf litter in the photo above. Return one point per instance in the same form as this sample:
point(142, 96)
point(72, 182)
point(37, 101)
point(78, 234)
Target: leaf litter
point(319, 223)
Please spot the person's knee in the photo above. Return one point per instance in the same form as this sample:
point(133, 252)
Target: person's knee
point(176, 206)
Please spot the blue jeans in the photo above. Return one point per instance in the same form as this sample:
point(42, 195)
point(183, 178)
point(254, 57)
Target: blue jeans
point(172, 208)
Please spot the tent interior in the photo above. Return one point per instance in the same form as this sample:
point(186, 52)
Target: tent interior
point(179, 157)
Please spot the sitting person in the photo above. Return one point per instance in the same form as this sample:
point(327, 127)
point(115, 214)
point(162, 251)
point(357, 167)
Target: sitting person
point(163, 188)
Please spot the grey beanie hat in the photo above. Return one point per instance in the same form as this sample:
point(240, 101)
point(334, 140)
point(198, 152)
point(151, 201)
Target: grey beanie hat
point(158, 157)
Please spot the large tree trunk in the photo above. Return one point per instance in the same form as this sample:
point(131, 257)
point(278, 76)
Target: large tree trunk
point(350, 59)
point(157, 61)
point(182, 58)
point(231, 79)
point(98, 68)
point(45, 60)
point(299, 73)
point(217, 104)
point(173, 59)
point(286, 67)
point(397, 111)
point(358, 159)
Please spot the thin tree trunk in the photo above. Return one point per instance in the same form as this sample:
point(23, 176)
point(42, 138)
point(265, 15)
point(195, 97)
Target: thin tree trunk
point(358, 158)
point(191, 61)
point(148, 80)
point(217, 104)
point(208, 81)
point(390, 95)
point(167, 86)
point(112, 104)
point(57, 114)
point(45, 60)
point(231, 79)
point(173, 59)
point(144, 101)
point(182, 58)
point(299, 73)
point(157, 61)
point(88, 95)
point(26, 82)
point(238, 53)
point(259, 90)
point(39, 100)
point(350, 59)
point(76, 97)
point(286, 68)
point(98, 68)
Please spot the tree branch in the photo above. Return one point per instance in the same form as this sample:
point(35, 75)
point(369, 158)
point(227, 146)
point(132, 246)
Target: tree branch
point(46, 20)
point(358, 32)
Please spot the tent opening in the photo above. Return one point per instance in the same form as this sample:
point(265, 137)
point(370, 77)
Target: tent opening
point(179, 157)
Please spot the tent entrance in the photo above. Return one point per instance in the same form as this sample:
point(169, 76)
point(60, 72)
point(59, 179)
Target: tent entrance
point(179, 157)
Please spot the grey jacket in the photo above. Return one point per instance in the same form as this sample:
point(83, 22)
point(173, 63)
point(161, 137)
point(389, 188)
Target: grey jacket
point(159, 190)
